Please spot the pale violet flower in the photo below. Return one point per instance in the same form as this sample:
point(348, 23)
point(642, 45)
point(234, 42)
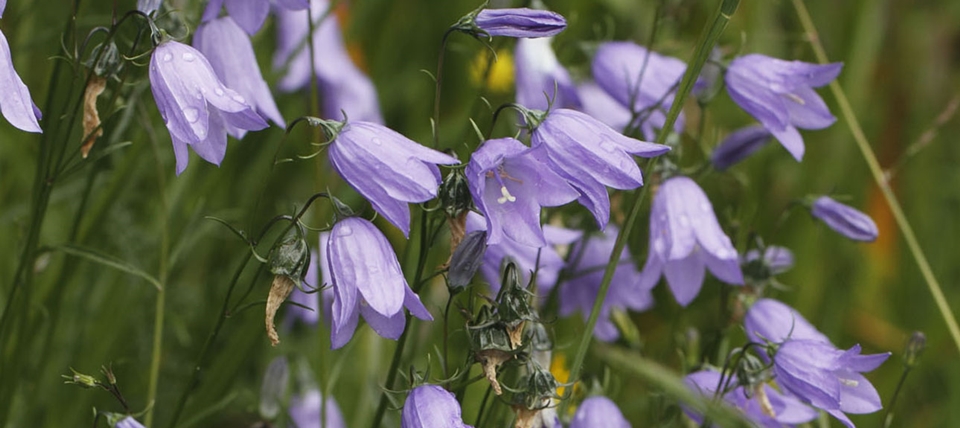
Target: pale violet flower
point(305, 410)
point(780, 95)
point(231, 55)
point(771, 409)
point(388, 169)
point(249, 14)
point(540, 77)
point(739, 145)
point(598, 103)
point(597, 412)
point(509, 183)
point(845, 220)
point(195, 105)
point(431, 406)
point(519, 22)
point(367, 280)
point(686, 240)
point(591, 157)
point(15, 102)
point(129, 422)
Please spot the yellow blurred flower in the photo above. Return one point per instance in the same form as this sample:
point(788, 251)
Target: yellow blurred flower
point(498, 70)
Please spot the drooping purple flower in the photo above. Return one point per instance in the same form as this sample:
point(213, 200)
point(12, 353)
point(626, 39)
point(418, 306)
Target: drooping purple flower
point(343, 86)
point(770, 320)
point(520, 22)
point(15, 102)
point(780, 95)
point(591, 157)
point(195, 105)
point(845, 220)
point(767, 407)
point(305, 410)
point(828, 378)
point(231, 54)
point(598, 411)
point(686, 239)
point(526, 257)
point(539, 75)
point(431, 406)
point(129, 422)
point(641, 80)
point(598, 103)
point(249, 14)
point(739, 145)
point(509, 183)
point(145, 6)
point(367, 280)
point(387, 168)
point(588, 259)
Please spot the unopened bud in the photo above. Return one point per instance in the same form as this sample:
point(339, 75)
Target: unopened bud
point(466, 260)
point(914, 348)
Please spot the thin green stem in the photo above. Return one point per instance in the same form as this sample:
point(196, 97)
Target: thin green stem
point(708, 40)
point(871, 158)
point(436, 94)
point(162, 292)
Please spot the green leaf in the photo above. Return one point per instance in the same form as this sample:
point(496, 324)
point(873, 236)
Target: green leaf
point(108, 261)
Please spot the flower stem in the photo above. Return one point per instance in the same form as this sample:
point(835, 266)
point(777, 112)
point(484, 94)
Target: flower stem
point(871, 158)
point(708, 40)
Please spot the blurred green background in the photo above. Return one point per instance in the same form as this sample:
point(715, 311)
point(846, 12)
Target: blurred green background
point(901, 73)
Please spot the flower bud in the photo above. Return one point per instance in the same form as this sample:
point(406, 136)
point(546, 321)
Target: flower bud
point(844, 219)
point(511, 22)
point(739, 145)
point(454, 194)
point(915, 347)
point(466, 260)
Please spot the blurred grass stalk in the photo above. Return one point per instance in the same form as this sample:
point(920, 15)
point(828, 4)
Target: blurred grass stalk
point(880, 178)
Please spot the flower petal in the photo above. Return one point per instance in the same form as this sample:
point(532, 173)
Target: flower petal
point(249, 14)
point(685, 277)
point(387, 326)
point(362, 258)
point(15, 101)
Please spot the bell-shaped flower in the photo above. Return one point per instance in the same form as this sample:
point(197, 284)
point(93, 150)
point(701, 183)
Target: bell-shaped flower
point(249, 14)
point(195, 105)
point(147, 6)
point(845, 220)
point(305, 411)
point(343, 86)
point(431, 406)
point(641, 80)
point(588, 260)
point(770, 320)
point(765, 406)
point(591, 157)
point(739, 145)
point(231, 54)
point(129, 422)
point(367, 280)
point(780, 95)
point(598, 103)
point(540, 76)
point(15, 102)
point(598, 411)
point(546, 261)
point(509, 183)
point(828, 378)
point(685, 240)
point(388, 169)
point(519, 22)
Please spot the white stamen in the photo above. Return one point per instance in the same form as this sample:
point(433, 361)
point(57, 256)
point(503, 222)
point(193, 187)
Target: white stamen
point(849, 382)
point(507, 197)
point(795, 98)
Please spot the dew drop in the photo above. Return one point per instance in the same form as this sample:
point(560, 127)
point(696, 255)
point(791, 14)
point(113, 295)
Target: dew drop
point(658, 246)
point(345, 231)
point(684, 220)
point(607, 145)
point(704, 206)
point(188, 57)
point(167, 57)
point(219, 92)
point(191, 114)
point(722, 253)
point(376, 141)
point(239, 99)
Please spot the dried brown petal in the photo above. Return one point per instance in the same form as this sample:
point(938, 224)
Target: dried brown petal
point(490, 360)
point(279, 290)
point(91, 119)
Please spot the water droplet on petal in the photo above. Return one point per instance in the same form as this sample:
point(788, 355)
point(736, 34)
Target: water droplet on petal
point(376, 141)
point(607, 145)
point(344, 231)
point(188, 57)
point(704, 206)
point(219, 92)
point(167, 57)
point(722, 253)
point(239, 99)
point(684, 220)
point(658, 246)
point(191, 114)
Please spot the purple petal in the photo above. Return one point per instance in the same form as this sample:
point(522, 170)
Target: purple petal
point(772, 320)
point(857, 394)
point(362, 258)
point(845, 220)
point(430, 406)
point(791, 140)
point(539, 76)
point(685, 277)
point(387, 326)
point(15, 101)
point(249, 14)
point(306, 411)
point(346, 314)
point(598, 411)
point(294, 4)
point(413, 304)
point(739, 145)
point(213, 148)
point(520, 22)
point(599, 104)
point(808, 111)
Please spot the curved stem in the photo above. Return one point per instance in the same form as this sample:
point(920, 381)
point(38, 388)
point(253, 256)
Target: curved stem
point(871, 158)
point(436, 96)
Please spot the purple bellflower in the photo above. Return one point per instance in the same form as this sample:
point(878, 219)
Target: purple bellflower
point(588, 258)
point(431, 406)
point(770, 320)
point(591, 157)
point(598, 103)
point(195, 105)
point(305, 410)
point(765, 406)
point(539, 75)
point(343, 86)
point(509, 183)
point(641, 80)
point(520, 22)
point(230, 53)
point(387, 168)
point(367, 280)
point(525, 256)
point(845, 220)
point(685, 238)
point(148, 6)
point(249, 14)
point(598, 412)
point(15, 102)
point(129, 422)
point(780, 95)
point(739, 145)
